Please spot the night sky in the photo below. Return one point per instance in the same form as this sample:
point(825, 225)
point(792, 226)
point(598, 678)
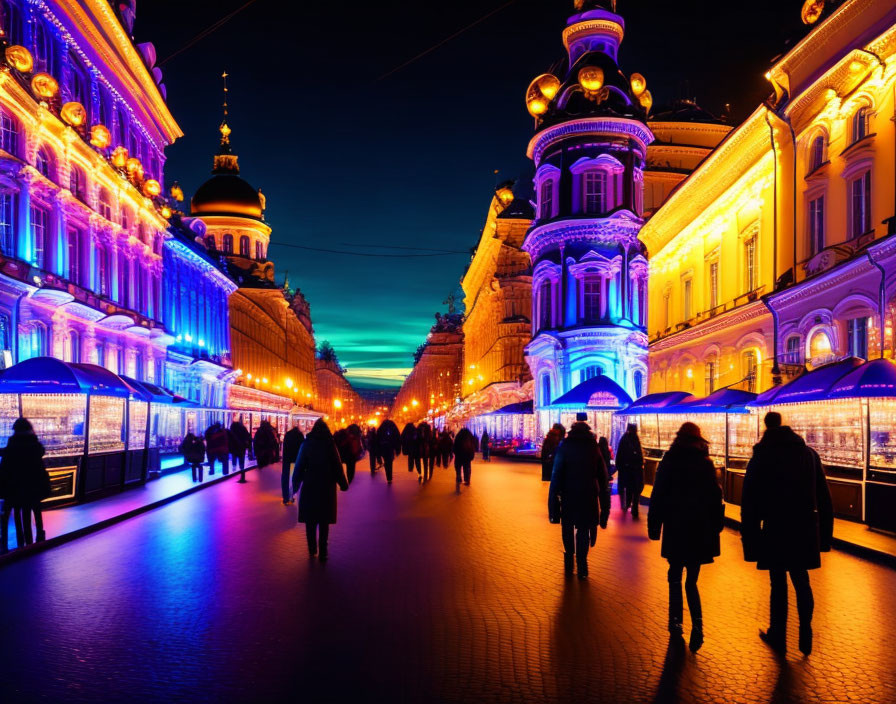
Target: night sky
point(347, 158)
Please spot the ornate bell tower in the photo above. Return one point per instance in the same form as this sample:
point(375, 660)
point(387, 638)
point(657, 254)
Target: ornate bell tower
point(589, 283)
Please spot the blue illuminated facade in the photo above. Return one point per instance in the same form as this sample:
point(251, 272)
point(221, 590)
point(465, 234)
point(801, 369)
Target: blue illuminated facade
point(589, 270)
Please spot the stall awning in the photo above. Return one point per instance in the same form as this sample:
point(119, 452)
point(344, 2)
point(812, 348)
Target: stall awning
point(657, 403)
point(149, 392)
point(48, 375)
point(722, 401)
point(874, 379)
point(599, 392)
point(524, 408)
point(811, 386)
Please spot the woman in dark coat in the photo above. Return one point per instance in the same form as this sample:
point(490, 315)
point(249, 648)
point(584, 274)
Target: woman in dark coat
point(424, 451)
point(409, 444)
point(318, 473)
point(549, 448)
point(446, 444)
point(686, 509)
point(292, 443)
point(464, 452)
point(193, 450)
point(25, 483)
point(265, 444)
point(630, 465)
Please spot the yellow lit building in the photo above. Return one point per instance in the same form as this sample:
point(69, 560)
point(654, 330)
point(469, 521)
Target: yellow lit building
point(433, 385)
point(497, 290)
point(336, 397)
point(272, 339)
point(773, 253)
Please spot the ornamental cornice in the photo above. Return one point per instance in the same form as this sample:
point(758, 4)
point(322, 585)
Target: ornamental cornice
point(588, 27)
point(620, 228)
point(719, 324)
point(616, 126)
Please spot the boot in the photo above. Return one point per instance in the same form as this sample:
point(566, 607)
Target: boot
point(582, 568)
point(696, 641)
point(675, 617)
point(806, 640)
point(568, 563)
point(774, 641)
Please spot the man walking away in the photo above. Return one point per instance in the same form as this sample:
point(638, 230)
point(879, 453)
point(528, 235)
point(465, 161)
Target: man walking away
point(464, 451)
point(371, 448)
point(388, 442)
point(630, 465)
point(409, 444)
point(292, 443)
point(217, 447)
point(787, 520)
point(240, 441)
point(484, 446)
point(579, 495)
point(549, 448)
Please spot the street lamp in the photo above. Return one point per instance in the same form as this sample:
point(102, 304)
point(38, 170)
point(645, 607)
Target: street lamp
point(337, 403)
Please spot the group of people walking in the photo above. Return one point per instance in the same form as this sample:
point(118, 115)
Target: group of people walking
point(786, 513)
point(427, 448)
point(229, 446)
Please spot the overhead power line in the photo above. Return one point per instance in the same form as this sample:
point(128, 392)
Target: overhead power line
point(205, 32)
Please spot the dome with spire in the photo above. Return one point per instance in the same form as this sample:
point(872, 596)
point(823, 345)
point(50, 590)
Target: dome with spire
point(225, 193)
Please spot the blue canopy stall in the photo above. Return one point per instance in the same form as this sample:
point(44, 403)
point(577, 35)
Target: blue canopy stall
point(78, 412)
point(599, 397)
point(511, 428)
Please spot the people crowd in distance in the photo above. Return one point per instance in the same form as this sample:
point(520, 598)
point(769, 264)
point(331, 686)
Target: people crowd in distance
point(786, 513)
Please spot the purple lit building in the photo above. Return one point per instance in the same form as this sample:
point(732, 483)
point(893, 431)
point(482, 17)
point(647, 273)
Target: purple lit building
point(589, 280)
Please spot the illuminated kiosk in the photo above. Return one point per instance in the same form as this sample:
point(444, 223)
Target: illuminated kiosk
point(511, 428)
point(589, 270)
point(80, 414)
point(600, 397)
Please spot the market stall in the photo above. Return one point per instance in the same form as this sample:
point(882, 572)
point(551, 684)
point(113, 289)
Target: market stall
point(599, 397)
point(79, 414)
point(511, 428)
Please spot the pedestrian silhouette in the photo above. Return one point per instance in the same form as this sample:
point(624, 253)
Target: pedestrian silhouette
point(425, 452)
point(24, 484)
point(787, 520)
point(370, 443)
point(217, 447)
point(409, 444)
point(464, 452)
point(579, 494)
point(630, 465)
point(686, 509)
point(193, 450)
point(292, 443)
point(388, 443)
point(318, 472)
point(485, 446)
point(240, 441)
point(549, 448)
point(446, 446)
point(266, 444)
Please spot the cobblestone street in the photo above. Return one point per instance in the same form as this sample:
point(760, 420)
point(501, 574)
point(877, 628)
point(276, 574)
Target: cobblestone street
point(429, 595)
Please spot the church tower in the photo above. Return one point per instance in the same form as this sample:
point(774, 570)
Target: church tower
point(589, 270)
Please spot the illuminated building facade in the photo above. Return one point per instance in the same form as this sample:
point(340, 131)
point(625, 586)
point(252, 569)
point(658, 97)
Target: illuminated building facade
point(83, 126)
point(589, 270)
point(433, 386)
point(497, 290)
point(335, 395)
point(271, 337)
point(195, 310)
point(777, 252)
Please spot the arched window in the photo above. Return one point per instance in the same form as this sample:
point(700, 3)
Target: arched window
point(40, 231)
point(77, 182)
point(244, 246)
point(73, 353)
point(860, 124)
point(820, 348)
point(594, 190)
point(11, 22)
point(140, 366)
point(750, 361)
point(793, 350)
point(104, 204)
point(122, 132)
point(592, 371)
point(711, 371)
point(546, 200)
point(75, 237)
point(638, 383)
point(9, 132)
point(44, 163)
point(210, 244)
point(33, 341)
point(227, 243)
point(546, 390)
point(7, 224)
point(43, 49)
point(124, 280)
point(126, 219)
point(259, 250)
point(816, 153)
point(101, 354)
point(102, 270)
point(591, 286)
point(545, 316)
point(80, 86)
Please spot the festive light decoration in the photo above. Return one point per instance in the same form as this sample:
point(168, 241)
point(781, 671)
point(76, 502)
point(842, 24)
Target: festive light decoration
point(591, 78)
point(100, 137)
point(177, 192)
point(812, 11)
point(540, 93)
point(19, 58)
point(135, 169)
point(152, 188)
point(44, 85)
point(74, 114)
point(119, 157)
point(646, 100)
point(638, 83)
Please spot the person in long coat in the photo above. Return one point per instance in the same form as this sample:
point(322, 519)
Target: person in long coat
point(446, 445)
point(318, 472)
point(240, 441)
point(409, 444)
point(424, 451)
point(388, 442)
point(24, 484)
point(549, 448)
point(292, 443)
point(485, 446)
point(371, 445)
point(193, 450)
point(787, 521)
point(265, 444)
point(686, 509)
point(464, 452)
point(217, 447)
point(579, 494)
point(347, 456)
point(630, 466)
